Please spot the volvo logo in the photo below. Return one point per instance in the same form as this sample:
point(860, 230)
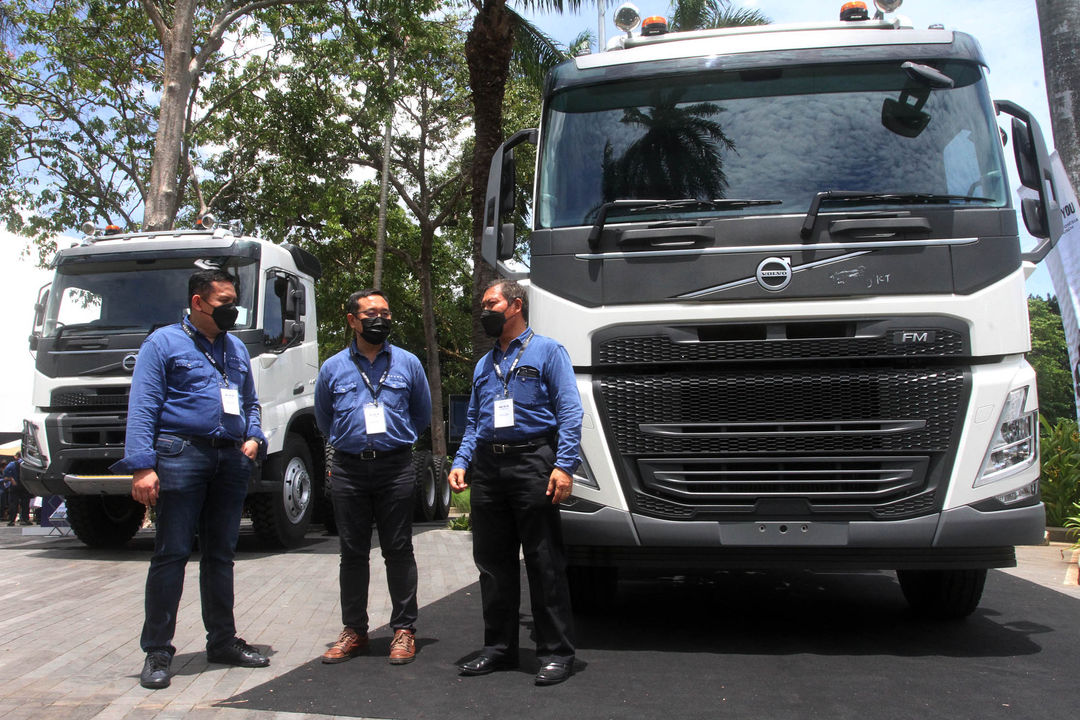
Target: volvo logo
point(128, 363)
point(774, 273)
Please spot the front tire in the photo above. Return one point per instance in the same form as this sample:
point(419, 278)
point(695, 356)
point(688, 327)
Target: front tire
point(442, 488)
point(104, 521)
point(942, 594)
point(281, 518)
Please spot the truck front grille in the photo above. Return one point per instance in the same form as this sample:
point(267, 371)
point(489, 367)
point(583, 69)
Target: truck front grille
point(864, 440)
point(90, 398)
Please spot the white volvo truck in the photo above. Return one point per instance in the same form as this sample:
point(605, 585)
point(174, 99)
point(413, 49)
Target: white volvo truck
point(785, 263)
point(108, 293)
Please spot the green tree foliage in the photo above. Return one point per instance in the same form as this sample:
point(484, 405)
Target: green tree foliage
point(710, 14)
point(1049, 356)
point(1060, 456)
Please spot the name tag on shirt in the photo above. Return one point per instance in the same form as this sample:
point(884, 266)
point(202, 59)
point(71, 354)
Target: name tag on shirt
point(374, 419)
point(230, 401)
point(504, 413)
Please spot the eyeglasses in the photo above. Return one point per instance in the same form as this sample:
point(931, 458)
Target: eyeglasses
point(384, 314)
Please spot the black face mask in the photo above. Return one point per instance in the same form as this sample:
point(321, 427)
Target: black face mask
point(375, 330)
point(492, 322)
point(224, 316)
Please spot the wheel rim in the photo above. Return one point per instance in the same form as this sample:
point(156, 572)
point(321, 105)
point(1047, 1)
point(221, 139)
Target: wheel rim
point(296, 490)
point(429, 488)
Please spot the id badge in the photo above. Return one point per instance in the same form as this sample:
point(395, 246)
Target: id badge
point(374, 419)
point(504, 413)
point(230, 401)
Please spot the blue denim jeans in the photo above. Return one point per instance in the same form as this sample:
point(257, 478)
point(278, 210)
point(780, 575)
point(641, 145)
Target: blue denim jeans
point(202, 490)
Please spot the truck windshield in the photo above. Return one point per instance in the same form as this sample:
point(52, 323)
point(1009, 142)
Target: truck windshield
point(778, 134)
point(133, 296)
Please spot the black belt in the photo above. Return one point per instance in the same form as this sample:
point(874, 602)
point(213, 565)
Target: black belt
point(214, 442)
point(514, 448)
point(371, 454)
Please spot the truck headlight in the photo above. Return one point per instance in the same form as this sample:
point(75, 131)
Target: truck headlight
point(31, 451)
point(1015, 444)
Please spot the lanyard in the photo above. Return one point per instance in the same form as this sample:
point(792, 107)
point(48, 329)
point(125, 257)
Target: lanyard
point(209, 356)
point(373, 390)
point(509, 373)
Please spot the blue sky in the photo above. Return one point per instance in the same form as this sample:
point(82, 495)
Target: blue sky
point(1007, 31)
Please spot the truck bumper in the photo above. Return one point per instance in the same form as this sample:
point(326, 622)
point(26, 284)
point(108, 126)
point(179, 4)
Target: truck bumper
point(960, 537)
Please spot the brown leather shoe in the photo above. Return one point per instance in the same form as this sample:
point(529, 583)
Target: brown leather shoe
point(348, 644)
point(403, 647)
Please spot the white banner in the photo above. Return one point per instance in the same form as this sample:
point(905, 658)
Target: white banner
point(1063, 263)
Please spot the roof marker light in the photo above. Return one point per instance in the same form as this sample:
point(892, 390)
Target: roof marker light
point(655, 25)
point(855, 10)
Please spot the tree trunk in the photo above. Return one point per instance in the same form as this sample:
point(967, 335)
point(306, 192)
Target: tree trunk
point(1059, 23)
point(487, 50)
point(431, 342)
point(163, 194)
point(384, 183)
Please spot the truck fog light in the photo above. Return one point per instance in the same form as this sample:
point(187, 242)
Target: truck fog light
point(583, 475)
point(1015, 444)
point(1020, 494)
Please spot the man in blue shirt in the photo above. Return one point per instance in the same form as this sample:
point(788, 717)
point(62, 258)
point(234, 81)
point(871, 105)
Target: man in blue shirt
point(520, 448)
point(19, 497)
point(371, 402)
point(193, 433)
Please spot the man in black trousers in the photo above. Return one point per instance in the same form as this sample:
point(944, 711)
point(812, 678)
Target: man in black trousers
point(520, 449)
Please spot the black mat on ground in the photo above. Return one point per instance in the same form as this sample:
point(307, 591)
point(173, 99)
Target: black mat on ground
point(739, 645)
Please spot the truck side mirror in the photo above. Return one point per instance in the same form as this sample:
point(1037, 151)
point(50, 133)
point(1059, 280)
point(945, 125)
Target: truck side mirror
point(1034, 215)
point(497, 237)
point(1027, 161)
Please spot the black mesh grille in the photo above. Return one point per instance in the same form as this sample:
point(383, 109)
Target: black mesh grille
point(781, 406)
point(655, 349)
point(848, 440)
point(97, 398)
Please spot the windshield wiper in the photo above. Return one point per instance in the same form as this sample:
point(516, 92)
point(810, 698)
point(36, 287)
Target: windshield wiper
point(856, 196)
point(638, 206)
point(92, 328)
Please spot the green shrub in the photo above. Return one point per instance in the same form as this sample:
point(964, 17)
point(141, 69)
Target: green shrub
point(463, 502)
point(1073, 524)
point(1060, 482)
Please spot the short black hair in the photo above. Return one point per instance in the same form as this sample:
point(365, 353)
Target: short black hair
point(201, 281)
point(352, 305)
point(512, 290)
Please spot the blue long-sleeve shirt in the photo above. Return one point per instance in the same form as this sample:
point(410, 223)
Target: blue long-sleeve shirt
point(176, 390)
point(545, 395)
point(341, 394)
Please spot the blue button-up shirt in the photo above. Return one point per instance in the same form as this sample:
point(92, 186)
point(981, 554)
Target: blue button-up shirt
point(545, 395)
point(176, 390)
point(341, 394)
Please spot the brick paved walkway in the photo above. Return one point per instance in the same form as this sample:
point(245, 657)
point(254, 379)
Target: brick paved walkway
point(70, 619)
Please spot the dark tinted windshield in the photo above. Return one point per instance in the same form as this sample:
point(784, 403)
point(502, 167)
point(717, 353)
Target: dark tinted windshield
point(768, 135)
point(133, 296)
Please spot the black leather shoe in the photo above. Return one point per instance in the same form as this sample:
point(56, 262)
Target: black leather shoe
point(554, 673)
point(485, 664)
point(238, 653)
point(155, 671)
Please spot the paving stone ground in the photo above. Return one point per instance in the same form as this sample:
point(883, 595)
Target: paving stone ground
point(70, 618)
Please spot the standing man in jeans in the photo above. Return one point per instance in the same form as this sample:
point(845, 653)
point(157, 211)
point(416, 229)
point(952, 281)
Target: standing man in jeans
point(193, 433)
point(19, 501)
point(520, 448)
point(371, 402)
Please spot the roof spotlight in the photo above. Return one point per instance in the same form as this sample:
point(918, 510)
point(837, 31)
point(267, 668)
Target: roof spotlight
point(888, 5)
point(88, 228)
point(207, 221)
point(627, 17)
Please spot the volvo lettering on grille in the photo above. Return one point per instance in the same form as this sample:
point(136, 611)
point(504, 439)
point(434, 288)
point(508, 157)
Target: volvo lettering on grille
point(128, 363)
point(774, 273)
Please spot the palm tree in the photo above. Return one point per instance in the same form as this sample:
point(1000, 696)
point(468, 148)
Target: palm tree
point(498, 33)
point(678, 156)
point(1059, 23)
point(712, 14)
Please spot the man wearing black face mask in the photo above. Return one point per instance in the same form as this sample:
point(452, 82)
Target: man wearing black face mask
point(371, 403)
point(520, 449)
point(193, 432)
